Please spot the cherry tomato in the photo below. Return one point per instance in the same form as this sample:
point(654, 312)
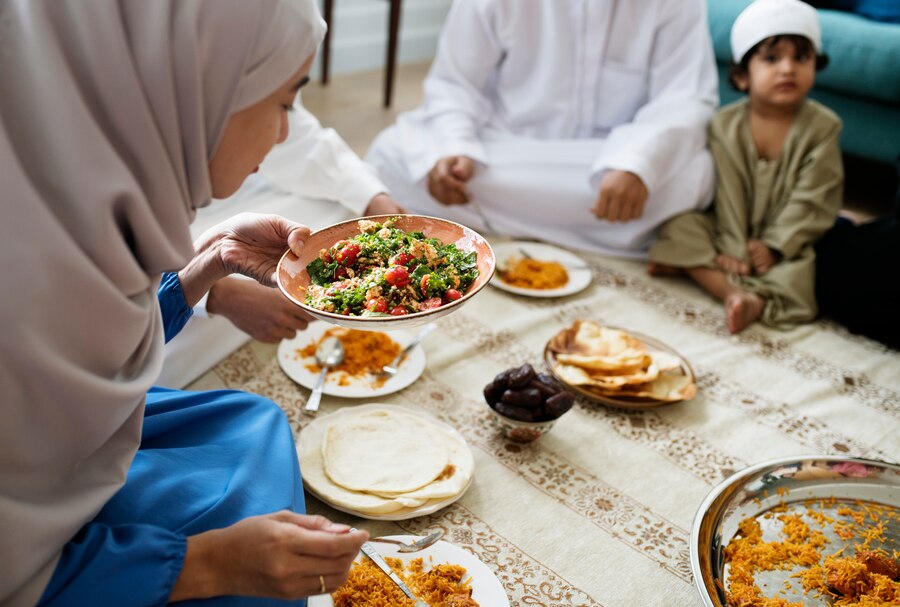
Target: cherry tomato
point(423, 285)
point(451, 295)
point(347, 255)
point(431, 303)
point(397, 276)
point(399, 311)
point(327, 258)
point(340, 273)
point(377, 304)
point(401, 259)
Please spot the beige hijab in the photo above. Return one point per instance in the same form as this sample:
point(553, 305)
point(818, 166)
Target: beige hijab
point(109, 113)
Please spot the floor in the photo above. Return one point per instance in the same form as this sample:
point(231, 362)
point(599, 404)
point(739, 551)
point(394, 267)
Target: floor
point(351, 104)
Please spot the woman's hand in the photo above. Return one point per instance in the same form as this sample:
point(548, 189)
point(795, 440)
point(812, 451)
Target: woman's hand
point(447, 179)
point(382, 204)
point(249, 243)
point(282, 555)
point(621, 198)
point(264, 313)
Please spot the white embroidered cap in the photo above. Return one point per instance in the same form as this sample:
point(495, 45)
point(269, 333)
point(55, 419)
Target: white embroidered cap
point(766, 18)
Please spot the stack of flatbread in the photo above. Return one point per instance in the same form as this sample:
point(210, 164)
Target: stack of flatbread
point(383, 461)
point(612, 363)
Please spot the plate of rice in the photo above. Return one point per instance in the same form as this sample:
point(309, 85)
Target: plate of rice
point(365, 353)
point(442, 575)
point(535, 269)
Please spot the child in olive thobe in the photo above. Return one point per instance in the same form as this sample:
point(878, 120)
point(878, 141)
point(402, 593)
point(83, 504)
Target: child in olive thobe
point(779, 179)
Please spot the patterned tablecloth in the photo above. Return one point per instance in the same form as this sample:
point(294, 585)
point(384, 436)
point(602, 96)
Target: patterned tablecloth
point(599, 511)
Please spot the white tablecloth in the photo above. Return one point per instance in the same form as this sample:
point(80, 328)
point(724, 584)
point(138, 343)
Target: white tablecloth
point(599, 511)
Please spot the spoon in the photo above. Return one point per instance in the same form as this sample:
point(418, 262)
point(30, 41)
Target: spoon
point(392, 368)
point(420, 544)
point(330, 353)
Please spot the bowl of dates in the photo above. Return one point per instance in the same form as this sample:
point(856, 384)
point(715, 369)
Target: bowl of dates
point(525, 404)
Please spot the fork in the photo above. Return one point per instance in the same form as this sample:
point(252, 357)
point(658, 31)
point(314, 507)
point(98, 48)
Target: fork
point(393, 367)
point(571, 266)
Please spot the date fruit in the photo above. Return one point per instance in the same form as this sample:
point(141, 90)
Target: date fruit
point(524, 395)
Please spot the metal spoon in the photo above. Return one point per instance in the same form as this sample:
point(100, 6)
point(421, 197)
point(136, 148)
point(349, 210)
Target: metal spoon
point(392, 368)
point(420, 544)
point(330, 353)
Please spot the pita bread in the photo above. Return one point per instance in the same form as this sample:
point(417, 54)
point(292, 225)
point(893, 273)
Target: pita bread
point(383, 451)
point(452, 480)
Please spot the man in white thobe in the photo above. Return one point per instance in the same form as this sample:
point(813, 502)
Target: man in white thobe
point(580, 122)
point(313, 178)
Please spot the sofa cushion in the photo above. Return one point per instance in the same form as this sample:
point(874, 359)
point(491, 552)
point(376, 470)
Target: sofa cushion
point(864, 53)
point(879, 10)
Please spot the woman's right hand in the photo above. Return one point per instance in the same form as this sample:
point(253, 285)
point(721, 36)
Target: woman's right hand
point(280, 555)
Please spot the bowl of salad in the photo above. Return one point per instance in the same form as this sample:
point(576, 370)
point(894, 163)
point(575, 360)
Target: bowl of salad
point(387, 272)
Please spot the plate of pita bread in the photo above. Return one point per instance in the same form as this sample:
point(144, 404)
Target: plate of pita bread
point(384, 462)
point(617, 367)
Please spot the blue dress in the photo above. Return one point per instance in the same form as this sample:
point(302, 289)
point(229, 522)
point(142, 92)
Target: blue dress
point(206, 461)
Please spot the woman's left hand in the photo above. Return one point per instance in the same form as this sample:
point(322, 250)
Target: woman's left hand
point(251, 244)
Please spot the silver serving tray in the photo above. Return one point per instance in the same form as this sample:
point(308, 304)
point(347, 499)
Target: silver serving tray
point(757, 489)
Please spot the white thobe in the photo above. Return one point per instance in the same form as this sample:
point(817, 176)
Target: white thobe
point(548, 95)
point(312, 178)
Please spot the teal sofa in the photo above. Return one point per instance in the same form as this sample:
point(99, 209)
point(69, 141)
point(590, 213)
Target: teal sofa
point(861, 82)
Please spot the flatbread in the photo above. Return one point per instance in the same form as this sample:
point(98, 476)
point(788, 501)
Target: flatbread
point(383, 452)
point(452, 481)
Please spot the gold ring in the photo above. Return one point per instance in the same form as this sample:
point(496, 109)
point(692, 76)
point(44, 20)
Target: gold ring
point(321, 585)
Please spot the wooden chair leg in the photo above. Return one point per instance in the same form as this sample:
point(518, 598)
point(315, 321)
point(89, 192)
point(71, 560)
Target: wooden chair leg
point(393, 31)
point(327, 10)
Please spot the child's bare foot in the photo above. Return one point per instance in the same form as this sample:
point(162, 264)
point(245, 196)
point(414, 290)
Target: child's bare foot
point(661, 269)
point(742, 309)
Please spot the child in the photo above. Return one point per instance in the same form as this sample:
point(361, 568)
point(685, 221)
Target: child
point(779, 177)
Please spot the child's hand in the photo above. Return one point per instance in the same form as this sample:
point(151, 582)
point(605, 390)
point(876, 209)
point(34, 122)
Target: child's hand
point(732, 265)
point(761, 256)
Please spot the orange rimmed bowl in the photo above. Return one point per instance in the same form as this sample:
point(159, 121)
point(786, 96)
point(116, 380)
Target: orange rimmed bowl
point(293, 279)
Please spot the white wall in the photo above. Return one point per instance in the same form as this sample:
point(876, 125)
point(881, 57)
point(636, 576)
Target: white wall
point(359, 33)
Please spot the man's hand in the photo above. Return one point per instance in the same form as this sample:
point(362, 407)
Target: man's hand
point(382, 204)
point(282, 555)
point(732, 265)
point(761, 256)
point(447, 179)
point(622, 197)
point(261, 312)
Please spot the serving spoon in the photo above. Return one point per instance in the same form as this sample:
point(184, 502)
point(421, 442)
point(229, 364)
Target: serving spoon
point(420, 544)
point(330, 353)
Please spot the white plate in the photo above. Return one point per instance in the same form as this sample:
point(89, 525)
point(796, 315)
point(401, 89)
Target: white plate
point(580, 274)
point(486, 588)
point(311, 437)
point(358, 387)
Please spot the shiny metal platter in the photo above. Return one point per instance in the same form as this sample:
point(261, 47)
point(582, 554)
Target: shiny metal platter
point(790, 482)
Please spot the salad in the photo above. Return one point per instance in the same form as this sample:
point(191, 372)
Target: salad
point(386, 271)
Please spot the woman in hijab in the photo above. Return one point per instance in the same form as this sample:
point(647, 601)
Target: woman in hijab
point(118, 119)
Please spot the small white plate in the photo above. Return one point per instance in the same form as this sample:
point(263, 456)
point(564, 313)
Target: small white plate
point(486, 588)
point(313, 434)
point(364, 386)
point(580, 274)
